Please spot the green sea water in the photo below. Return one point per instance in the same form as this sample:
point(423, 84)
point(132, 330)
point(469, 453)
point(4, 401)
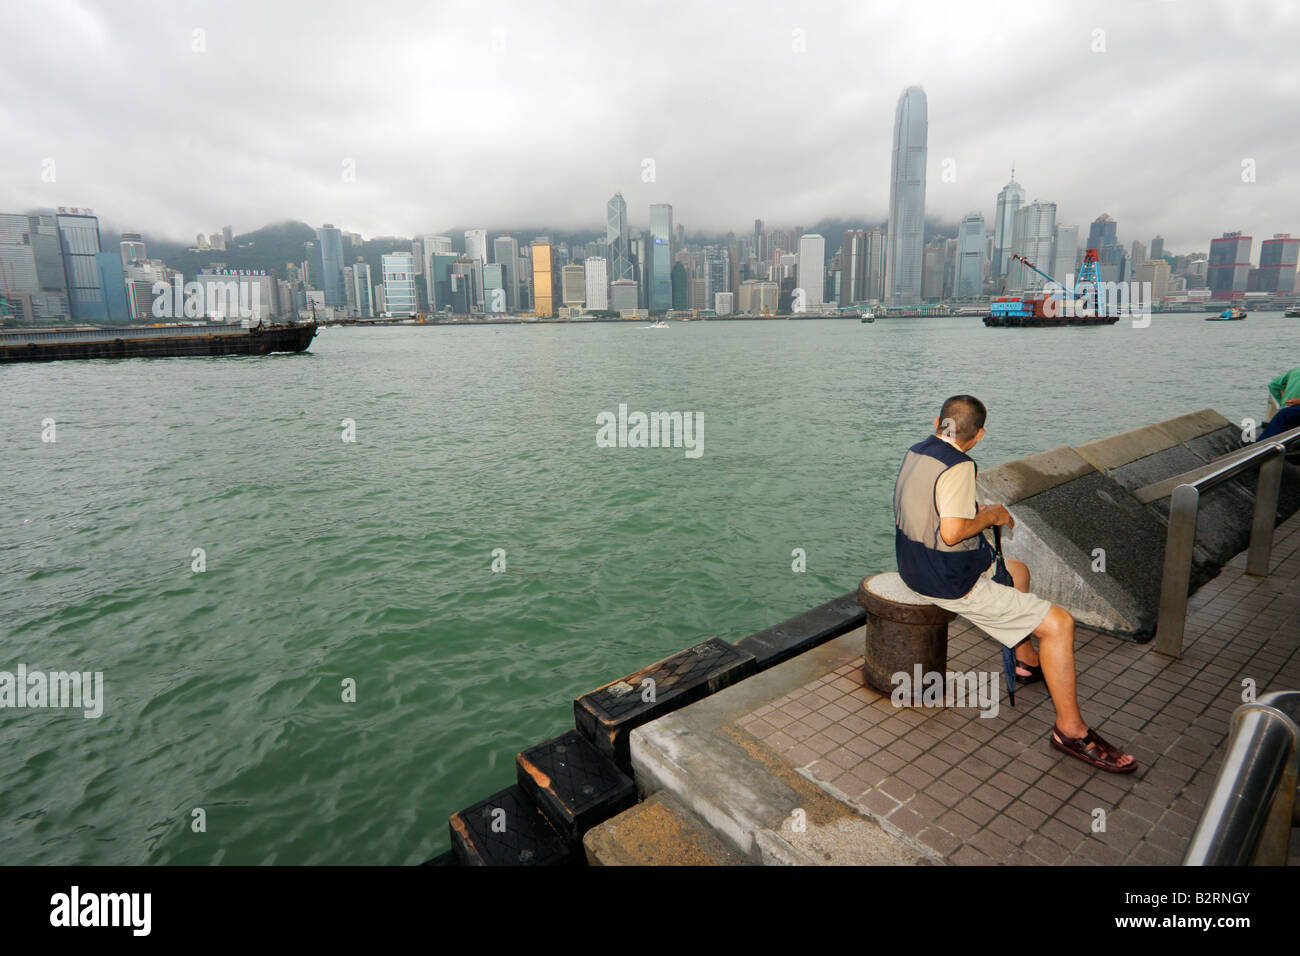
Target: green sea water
point(369, 563)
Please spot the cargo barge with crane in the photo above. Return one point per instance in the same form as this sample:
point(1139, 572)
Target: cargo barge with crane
point(1044, 309)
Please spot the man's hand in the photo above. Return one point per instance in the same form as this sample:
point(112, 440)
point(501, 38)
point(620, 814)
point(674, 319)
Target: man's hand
point(953, 530)
point(1292, 401)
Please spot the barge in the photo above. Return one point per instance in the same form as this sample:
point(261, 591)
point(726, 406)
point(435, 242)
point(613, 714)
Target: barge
point(153, 341)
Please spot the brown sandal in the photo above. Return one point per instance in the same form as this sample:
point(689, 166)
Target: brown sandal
point(1103, 756)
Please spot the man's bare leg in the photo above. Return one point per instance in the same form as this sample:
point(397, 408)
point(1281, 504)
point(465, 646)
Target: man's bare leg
point(1025, 652)
point(1056, 649)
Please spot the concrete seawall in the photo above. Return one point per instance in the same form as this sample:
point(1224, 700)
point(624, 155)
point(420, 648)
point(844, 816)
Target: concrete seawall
point(1091, 520)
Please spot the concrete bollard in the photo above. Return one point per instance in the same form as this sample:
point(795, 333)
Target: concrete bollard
point(903, 630)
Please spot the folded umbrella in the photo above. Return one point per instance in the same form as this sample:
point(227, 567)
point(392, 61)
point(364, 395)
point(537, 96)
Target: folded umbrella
point(1002, 576)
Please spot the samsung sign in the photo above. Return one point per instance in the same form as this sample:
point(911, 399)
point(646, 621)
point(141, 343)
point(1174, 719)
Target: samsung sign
point(235, 272)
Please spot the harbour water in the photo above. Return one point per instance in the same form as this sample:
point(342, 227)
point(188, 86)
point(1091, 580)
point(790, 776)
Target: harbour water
point(327, 561)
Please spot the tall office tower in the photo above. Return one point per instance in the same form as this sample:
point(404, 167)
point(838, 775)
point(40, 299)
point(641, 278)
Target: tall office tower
point(329, 242)
point(546, 279)
point(661, 257)
point(399, 283)
point(218, 241)
point(381, 304)
point(438, 244)
point(573, 286)
point(1277, 263)
point(903, 262)
point(1010, 199)
point(760, 240)
point(618, 237)
point(597, 283)
point(79, 245)
point(228, 235)
point(1158, 247)
point(876, 265)
point(1102, 233)
point(970, 257)
point(1065, 253)
point(1229, 265)
point(494, 288)
point(641, 266)
point(505, 250)
point(681, 286)
point(853, 250)
point(1137, 253)
point(31, 263)
point(350, 289)
point(932, 271)
point(812, 271)
point(623, 295)
point(1034, 228)
point(361, 286)
point(1155, 271)
point(133, 250)
point(476, 245)
point(715, 270)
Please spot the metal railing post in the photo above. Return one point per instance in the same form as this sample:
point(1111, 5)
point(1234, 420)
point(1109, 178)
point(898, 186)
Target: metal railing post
point(1176, 578)
point(1267, 491)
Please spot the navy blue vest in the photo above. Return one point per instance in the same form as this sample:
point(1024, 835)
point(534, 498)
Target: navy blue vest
point(927, 565)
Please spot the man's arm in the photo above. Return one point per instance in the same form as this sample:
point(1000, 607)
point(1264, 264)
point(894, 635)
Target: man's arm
point(953, 530)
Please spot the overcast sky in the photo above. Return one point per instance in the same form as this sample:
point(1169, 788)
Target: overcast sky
point(534, 113)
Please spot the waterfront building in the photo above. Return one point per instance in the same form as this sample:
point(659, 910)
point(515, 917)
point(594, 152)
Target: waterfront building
point(681, 287)
point(399, 283)
point(1277, 263)
point(79, 245)
point(361, 289)
point(329, 245)
point(494, 288)
point(903, 261)
point(1010, 199)
point(546, 280)
point(661, 258)
point(1065, 253)
point(1034, 229)
point(853, 267)
point(381, 303)
point(112, 283)
point(722, 303)
point(133, 250)
point(1155, 271)
point(812, 271)
point(932, 262)
point(876, 248)
point(618, 237)
point(758, 297)
point(596, 276)
point(623, 296)
point(505, 251)
point(970, 257)
point(573, 286)
point(1228, 270)
point(699, 295)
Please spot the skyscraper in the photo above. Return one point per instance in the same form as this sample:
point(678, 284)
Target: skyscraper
point(876, 265)
point(1277, 263)
point(132, 246)
point(506, 252)
point(1035, 230)
point(329, 244)
point(853, 250)
point(546, 276)
point(1229, 266)
point(970, 257)
point(79, 245)
point(1065, 253)
point(618, 237)
point(597, 282)
point(903, 260)
point(1102, 233)
point(661, 256)
point(1158, 247)
point(365, 305)
point(1010, 199)
point(399, 283)
point(812, 272)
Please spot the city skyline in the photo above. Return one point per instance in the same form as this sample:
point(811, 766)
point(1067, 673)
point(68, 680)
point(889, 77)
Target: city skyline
point(334, 157)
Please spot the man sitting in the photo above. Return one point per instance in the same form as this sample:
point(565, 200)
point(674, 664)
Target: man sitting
point(1285, 390)
point(943, 555)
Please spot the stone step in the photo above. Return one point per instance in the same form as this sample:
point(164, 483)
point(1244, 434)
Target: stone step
point(658, 832)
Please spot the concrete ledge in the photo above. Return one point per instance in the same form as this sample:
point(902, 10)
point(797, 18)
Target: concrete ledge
point(1026, 477)
point(1106, 454)
point(825, 622)
point(658, 832)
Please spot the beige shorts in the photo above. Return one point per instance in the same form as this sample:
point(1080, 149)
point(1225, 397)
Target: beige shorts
point(1005, 614)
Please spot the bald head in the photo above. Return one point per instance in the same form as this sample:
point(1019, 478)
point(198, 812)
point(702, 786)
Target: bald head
point(962, 417)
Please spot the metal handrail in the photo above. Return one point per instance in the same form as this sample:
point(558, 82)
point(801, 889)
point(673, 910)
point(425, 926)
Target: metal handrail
point(1180, 539)
point(1248, 817)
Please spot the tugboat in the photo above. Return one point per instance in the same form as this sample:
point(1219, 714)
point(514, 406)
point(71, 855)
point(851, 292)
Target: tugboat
point(1233, 314)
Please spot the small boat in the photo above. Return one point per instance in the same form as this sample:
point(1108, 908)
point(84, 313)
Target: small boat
point(868, 316)
point(1233, 314)
point(661, 324)
point(1293, 313)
